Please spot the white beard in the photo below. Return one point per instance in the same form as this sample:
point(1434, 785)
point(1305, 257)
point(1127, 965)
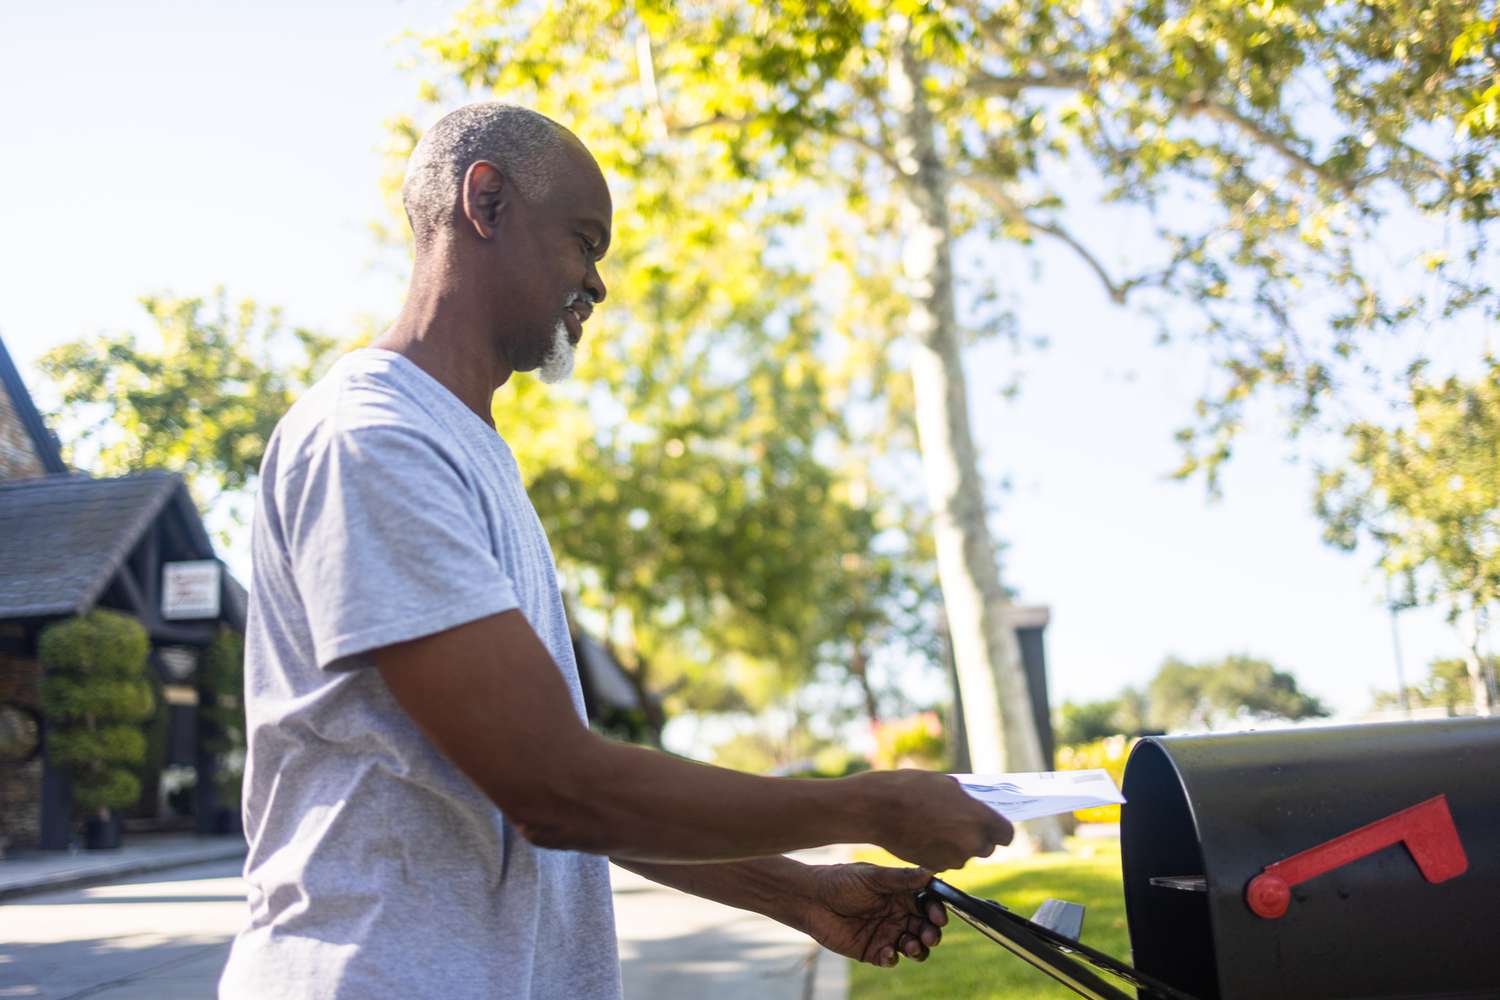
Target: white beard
point(557, 363)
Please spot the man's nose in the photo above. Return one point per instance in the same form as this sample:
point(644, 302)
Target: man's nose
point(594, 285)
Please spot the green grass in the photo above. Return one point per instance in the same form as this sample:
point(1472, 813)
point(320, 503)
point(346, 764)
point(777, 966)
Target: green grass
point(967, 965)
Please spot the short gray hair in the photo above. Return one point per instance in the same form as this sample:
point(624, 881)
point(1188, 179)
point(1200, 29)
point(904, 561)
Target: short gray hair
point(523, 144)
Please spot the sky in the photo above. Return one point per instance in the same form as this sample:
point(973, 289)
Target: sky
point(174, 147)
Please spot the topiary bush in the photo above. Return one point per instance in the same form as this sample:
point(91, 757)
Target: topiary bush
point(224, 710)
point(95, 693)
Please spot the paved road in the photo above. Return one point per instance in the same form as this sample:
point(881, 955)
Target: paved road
point(165, 937)
point(152, 937)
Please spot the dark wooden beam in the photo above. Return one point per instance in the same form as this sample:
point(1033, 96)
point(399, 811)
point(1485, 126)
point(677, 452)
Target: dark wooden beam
point(151, 566)
point(131, 588)
point(186, 635)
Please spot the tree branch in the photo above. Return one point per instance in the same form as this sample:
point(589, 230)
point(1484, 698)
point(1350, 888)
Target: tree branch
point(1255, 130)
point(991, 85)
point(992, 189)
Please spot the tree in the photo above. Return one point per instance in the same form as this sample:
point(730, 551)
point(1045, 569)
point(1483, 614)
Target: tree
point(95, 693)
point(1086, 722)
point(1447, 686)
point(1123, 715)
point(223, 712)
point(1427, 497)
point(1256, 144)
point(203, 403)
point(1236, 688)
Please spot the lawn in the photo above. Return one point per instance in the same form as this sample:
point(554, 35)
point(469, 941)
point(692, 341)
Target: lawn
point(967, 966)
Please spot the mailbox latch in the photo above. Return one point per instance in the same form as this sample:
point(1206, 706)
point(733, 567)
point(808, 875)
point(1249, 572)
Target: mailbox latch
point(1426, 828)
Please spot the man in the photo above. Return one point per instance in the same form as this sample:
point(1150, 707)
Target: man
point(428, 813)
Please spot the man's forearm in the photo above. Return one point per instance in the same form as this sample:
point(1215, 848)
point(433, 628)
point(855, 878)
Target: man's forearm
point(625, 801)
point(775, 887)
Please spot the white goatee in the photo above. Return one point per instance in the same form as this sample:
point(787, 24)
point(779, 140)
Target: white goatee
point(557, 363)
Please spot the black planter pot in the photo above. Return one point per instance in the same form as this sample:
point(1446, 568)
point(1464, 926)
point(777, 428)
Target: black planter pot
point(102, 834)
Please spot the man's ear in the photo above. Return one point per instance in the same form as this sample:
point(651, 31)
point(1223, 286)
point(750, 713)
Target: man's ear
point(487, 193)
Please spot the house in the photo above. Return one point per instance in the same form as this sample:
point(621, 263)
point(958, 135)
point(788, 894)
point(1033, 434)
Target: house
point(70, 543)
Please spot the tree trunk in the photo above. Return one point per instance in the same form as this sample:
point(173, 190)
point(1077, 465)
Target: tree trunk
point(1002, 733)
point(859, 667)
point(1478, 680)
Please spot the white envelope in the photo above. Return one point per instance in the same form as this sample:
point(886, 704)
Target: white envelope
point(1030, 794)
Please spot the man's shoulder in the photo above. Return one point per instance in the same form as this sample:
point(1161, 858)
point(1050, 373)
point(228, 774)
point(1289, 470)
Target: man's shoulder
point(362, 400)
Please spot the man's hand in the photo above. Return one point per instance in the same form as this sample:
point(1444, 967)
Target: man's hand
point(928, 819)
point(869, 913)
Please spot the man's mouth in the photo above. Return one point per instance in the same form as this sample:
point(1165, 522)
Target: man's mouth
point(575, 312)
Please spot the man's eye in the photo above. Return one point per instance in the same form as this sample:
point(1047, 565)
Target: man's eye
point(588, 250)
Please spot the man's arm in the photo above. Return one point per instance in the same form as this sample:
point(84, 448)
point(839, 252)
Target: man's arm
point(777, 887)
point(489, 696)
point(865, 912)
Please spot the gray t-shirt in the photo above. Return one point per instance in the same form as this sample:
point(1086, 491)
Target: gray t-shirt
point(388, 510)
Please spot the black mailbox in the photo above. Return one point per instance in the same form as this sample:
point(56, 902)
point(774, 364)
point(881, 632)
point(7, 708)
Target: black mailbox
point(1342, 862)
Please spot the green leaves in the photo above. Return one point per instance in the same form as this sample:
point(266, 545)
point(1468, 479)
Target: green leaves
point(1200, 696)
point(89, 750)
point(204, 404)
point(95, 692)
point(1427, 495)
point(101, 645)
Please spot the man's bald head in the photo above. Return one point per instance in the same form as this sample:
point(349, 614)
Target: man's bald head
point(527, 147)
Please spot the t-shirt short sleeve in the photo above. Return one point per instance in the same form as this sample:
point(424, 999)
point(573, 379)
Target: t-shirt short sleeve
point(385, 541)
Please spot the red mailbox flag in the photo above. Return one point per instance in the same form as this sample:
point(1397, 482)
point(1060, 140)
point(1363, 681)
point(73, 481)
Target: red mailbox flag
point(1426, 828)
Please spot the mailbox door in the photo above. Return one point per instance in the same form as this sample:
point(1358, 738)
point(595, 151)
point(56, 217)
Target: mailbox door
point(1373, 927)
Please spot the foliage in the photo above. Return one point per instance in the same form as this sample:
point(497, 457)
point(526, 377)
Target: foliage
point(1109, 753)
point(967, 964)
point(916, 741)
point(1255, 152)
point(793, 752)
point(1125, 714)
point(203, 403)
point(1427, 496)
point(714, 516)
point(223, 710)
point(95, 692)
point(1235, 688)
point(1446, 686)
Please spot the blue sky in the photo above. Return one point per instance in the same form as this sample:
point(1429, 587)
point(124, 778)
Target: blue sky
point(174, 147)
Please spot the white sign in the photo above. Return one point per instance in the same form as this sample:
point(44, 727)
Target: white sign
point(190, 589)
point(1042, 793)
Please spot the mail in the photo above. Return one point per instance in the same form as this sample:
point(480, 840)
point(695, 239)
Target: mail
point(1031, 794)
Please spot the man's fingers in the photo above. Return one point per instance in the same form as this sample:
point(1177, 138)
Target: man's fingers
point(913, 948)
point(906, 878)
point(937, 914)
point(923, 931)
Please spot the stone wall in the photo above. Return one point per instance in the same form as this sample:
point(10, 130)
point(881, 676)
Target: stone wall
point(20, 784)
point(18, 457)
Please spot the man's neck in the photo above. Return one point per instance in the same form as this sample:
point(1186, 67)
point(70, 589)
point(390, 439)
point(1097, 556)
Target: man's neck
point(447, 335)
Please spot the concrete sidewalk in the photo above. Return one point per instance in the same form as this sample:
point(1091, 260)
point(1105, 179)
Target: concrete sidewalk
point(674, 946)
point(30, 872)
point(166, 936)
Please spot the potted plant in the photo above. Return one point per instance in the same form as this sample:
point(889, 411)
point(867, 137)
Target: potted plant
point(223, 711)
point(95, 693)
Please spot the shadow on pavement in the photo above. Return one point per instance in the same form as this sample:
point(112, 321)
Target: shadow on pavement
point(734, 962)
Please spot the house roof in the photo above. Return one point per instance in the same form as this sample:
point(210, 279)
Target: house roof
point(64, 538)
point(36, 428)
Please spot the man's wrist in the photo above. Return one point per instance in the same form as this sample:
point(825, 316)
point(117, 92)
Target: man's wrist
point(859, 809)
point(798, 897)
